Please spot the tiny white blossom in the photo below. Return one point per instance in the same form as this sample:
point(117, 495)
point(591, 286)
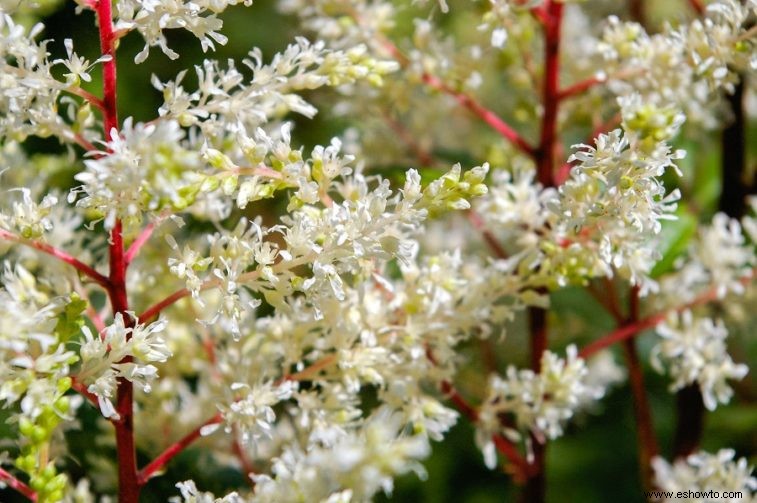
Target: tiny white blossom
point(694, 351)
point(706, 474)
point(538, 402)
point(103, 355)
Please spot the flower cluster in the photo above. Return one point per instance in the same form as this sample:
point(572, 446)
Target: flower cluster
point(311, 315)
point(142, 169)
point(614, 197)
point(338, 241)
point(705, 473)
point(539, 403)
point(28, 92)
point(123, 351)
point(225, 103)
point(34, 371)
point(152, 17)
point(694, 351)
point(365, 463)
point(721, 256)
point(684, 65)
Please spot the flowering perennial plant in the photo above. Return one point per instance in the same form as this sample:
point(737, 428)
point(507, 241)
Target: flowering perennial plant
point(313, 320)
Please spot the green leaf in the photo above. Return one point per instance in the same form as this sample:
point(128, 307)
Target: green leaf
point(675, 238)
point(70, 320)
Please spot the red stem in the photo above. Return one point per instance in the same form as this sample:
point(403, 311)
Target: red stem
point(580, 87)
point(482, 112)
point(107, 47)
point(155, 309)
point(698, 6)
point(244, 461)
point(551, 99)
point(622, 333)
point(164, 457)
point(16, 484)
point(648, 446)
point(128, 486)
point(81, 388)
point(424, 157)
point(537, 324)
point(631, 329)
point(61, 255)
point(535, 489)
point(637, 10)
point(141, 239)
point(503, 445)
point(91, 98)
point(551, 19)
point(490, 239)
point(468, 102)
point(84, 143)
point(462, 405)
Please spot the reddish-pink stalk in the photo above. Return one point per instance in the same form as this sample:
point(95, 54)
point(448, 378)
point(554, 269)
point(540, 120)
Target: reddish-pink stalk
point(540, 13)
point(482, 112)
point(16, 484)
point(503, 445)
point(546, 151)
point(488, 116)
point(638, 12)
point(244, 461)
point(154, 310)
point(490, 239)
point(424, 157)
point(621, 334)
point(648, 446)
point(631, 329)
point(128, 486)
point(108, 48)
point(60, 255)
point(84, 143)
point(606, 302)
point(535, 489)
point(698, 6)
point(580, 87)
point(89, 97)
point(550, 14)
point(173, 450)
point(137, 244)
point(81, 388)
point(462, 405)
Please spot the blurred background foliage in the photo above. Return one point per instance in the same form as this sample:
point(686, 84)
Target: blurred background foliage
point(597, 459)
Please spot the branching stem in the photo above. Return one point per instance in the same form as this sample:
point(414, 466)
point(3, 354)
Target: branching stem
point(10, 480)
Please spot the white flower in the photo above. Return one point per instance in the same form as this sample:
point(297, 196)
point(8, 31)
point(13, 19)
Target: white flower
point(499, 37)
point(27, 217)
point(141, 169)
point(151, 17)
point(724, 255)
point(253, 414)
point(103, 356)
point(540, 403)
point(363, 462)
point(705, 473)
point(226, 103)
point(78, 67)
point(694, 351)
point(28, 91)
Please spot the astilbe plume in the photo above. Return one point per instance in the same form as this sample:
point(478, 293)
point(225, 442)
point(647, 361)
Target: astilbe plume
point(203, 279)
